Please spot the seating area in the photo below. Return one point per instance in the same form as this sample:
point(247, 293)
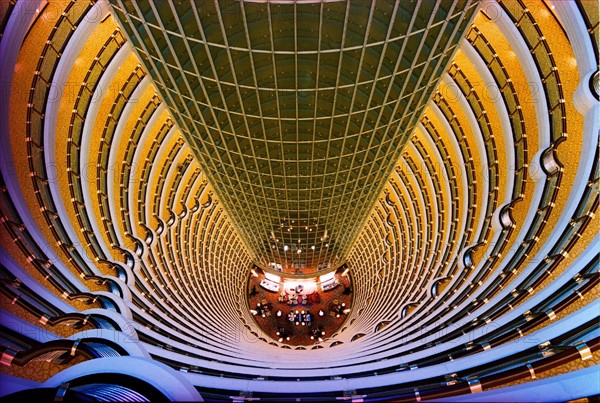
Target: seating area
point(269, 285)
point(295, 298)
point(292, 315)
point(330, 284)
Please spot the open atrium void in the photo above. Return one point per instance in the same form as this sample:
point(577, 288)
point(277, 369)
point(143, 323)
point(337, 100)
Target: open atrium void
point(299, 201)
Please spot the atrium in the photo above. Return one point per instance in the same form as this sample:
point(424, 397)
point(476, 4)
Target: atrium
point(299, 201)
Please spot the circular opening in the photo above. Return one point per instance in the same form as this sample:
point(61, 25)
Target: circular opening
point(300, 311)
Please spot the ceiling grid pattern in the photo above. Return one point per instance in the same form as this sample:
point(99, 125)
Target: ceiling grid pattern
point(297, 122)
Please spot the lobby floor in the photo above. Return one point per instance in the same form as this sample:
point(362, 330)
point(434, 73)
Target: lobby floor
point(331, 303)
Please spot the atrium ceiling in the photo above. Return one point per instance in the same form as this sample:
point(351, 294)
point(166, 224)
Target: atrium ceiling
point(298, 111)
point(470, 227)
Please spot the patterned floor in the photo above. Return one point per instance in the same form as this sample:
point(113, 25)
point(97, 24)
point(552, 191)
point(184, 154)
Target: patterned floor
point(272, 315)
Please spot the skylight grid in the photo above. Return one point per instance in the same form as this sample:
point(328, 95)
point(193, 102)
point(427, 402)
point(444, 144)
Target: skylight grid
point(297, 111)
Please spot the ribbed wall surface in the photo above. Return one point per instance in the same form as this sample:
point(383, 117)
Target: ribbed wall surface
point(476, 269)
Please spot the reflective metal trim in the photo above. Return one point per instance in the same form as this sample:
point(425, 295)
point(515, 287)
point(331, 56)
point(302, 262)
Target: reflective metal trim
point(531, 371)
point(61, 392)
point(7, 357)
point(475, 385)
point(584, 351)
point(74, 347)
